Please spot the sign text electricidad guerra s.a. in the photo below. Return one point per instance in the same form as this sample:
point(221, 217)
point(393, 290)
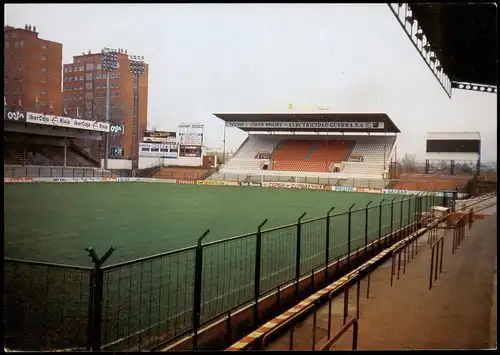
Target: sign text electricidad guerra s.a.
point(307, 125)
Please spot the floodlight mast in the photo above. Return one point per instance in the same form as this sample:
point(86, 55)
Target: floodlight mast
point(109, 64)
point(137, 67)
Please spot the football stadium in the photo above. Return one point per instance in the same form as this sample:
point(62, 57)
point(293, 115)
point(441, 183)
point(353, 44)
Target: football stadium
point(304, 196)
point(170, 246)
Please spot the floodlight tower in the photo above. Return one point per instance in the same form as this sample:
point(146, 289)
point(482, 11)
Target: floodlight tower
point(109, 64)
point(137, 67)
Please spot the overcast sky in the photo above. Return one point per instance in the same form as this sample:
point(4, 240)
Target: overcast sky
point(207, 58)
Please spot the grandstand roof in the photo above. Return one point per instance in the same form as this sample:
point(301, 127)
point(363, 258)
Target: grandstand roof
point(339, 122)
point(465, 36)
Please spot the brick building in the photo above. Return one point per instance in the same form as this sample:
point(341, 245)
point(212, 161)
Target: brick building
point(84, 93)
point(32, 71)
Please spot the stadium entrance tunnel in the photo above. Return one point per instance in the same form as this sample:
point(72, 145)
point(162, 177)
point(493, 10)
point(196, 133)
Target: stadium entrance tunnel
point(237, 323)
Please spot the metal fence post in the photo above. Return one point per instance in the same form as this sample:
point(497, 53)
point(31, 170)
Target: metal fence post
point(392, 213)
point(198, 268)
point(349, 237)
point(366, 224)
point(327, 243)
point(380, 220)
point(409, 216)
point(415, 209)
point(297, 257)
point(258, 250)
point(96, 289)
point(401, 217)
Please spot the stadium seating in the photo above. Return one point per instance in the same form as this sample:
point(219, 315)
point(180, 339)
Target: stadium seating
point(365, 157)
point(42, 151)
point(254, 146)
point(370, 156)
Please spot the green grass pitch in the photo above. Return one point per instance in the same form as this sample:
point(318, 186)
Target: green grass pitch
point(55, 222)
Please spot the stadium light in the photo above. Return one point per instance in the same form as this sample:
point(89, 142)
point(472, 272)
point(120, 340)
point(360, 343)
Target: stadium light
point(420, 33)
point(137, 66)
point(109, 64)
point(410, 19)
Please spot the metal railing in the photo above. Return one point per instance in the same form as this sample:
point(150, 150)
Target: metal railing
point(352, 323)
point(406, 244)
point(459, 233)
point(436, 260)
point(144, 303)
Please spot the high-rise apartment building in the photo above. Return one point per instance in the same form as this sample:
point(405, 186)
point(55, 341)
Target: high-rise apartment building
point(32, 71)
point(84, 93)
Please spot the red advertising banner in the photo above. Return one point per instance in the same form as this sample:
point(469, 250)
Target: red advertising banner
point(17, 180)
point(186, 182)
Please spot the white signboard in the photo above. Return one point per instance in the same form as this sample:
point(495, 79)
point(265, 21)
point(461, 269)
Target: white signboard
point(307, 125)
point(191, 138)
point(158, 145)
point(67, 122)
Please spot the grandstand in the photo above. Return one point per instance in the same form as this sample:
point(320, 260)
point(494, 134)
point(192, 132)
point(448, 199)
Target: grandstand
point(45, 145)
point(343, 146)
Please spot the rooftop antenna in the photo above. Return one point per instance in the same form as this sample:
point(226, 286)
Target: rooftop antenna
point(29, 27)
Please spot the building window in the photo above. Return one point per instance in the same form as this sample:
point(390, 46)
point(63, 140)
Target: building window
point(88, 76)
point(44, 57)
point(97, 86)
point(16, 44)
point(89, 95)
point(65, 69)
point(81, 88)
point(44, 46)
point(89, 66)
point(65, 79)
point(88, 86)
point(117, 65)
point(7, 45)
point(118, 75)
point(112, 75)
point(42, 92)
point(117, 86)
point(98, 66)
point(70, 69)
point(21, 67)
point(81, 78)
point(81, 68)
point(117, 94)
point(14, 34)
point(43, 81)
point(97, 94)
point(44, 69)
point(21, 44)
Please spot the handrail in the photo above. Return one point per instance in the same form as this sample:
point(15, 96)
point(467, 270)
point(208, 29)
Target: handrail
point(352, 323)
point(437, 248)
point(286, 322)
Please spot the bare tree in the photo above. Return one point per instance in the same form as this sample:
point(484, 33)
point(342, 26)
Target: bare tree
point(409, 163)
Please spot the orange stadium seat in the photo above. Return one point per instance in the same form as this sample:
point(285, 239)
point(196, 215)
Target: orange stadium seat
point(310, 155)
